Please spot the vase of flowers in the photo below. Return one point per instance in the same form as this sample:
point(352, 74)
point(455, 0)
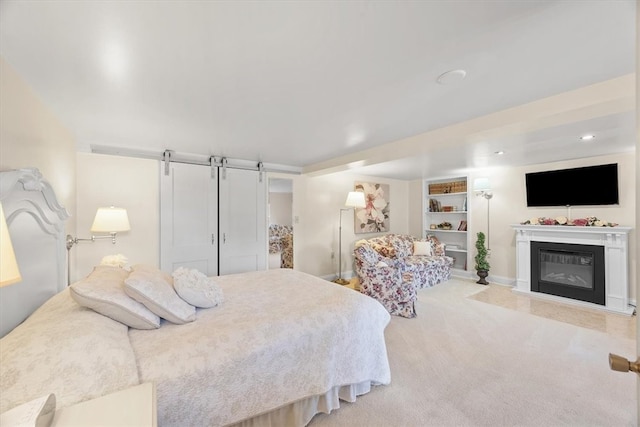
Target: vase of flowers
point(482, 265)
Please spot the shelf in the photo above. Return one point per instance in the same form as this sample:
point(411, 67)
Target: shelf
point(445, 231)
point(455, 250)
point(452, 212)
point(448, 194)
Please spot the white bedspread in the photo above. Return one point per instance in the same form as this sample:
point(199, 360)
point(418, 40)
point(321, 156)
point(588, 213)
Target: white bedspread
point(262, 348)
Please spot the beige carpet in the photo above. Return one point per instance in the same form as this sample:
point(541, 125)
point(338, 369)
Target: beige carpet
point(463, 362)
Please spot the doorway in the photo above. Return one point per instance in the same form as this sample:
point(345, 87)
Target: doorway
point(280, 223)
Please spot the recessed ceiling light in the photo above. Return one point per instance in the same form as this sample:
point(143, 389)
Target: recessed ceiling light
point(587, 137)
point(451, 77)
point(499, 153)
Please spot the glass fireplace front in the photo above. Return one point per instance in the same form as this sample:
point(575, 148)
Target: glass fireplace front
point(568, 270)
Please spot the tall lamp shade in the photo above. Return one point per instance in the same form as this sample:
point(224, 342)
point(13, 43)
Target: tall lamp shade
point(355, 199)
point(9, 272)
point(110, 220)
point(481, 184)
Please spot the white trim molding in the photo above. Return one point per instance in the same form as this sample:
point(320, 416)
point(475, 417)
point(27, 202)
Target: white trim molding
point(615, 241)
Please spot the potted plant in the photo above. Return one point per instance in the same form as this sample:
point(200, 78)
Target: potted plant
point(482, 265)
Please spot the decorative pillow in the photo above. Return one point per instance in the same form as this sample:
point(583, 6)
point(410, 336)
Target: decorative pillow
point(403, 245)
point(117, 260)
point(154, 289)
point(196, 288)
point(385, 251)
point(103, 291)
point(422, 248)
point(437, 247)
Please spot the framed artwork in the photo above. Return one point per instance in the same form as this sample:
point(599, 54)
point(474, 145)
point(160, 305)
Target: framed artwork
point(374, 218)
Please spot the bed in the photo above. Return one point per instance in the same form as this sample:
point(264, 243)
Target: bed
point(282, 346)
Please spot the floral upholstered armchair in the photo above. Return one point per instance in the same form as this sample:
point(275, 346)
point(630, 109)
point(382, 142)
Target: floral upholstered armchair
point(281, 241)
point(393, 267)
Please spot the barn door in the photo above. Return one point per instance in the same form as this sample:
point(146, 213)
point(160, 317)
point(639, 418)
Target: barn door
point(189, 218)
point(243, 221)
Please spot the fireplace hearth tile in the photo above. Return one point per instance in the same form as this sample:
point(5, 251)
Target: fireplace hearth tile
point(618, 325)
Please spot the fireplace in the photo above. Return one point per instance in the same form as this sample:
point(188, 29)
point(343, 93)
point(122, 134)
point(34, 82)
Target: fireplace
point(568, 270)
point(610, 259)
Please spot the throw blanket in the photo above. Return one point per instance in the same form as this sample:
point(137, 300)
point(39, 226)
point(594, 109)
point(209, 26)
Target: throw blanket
point(280, 336)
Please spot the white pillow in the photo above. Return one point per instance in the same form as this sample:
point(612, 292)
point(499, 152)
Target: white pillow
point(422, 248)
point(196, 288)
point(103, 291)
point(154, 289)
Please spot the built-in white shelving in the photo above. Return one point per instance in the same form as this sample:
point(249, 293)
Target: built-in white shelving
point(445, 201)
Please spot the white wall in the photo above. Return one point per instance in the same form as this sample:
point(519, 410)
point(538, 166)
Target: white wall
point(280, 208)
point(133, 184)
point(126, 182)
point(32, 136)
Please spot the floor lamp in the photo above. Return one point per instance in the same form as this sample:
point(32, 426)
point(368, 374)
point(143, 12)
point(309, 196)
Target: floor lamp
point(355, 199)
point(482, 188)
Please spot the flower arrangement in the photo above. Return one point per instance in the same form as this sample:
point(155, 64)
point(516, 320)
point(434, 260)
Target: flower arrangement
point(590, 221)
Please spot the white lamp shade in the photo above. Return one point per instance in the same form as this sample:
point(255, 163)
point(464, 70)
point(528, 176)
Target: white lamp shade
point(9, 272)
point(481, 184)
point(355, 199)
point(110, 220)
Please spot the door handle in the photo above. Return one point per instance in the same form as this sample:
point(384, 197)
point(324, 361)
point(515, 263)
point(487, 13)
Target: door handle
point(213, 239)
point(224, 237)
point(621, 364)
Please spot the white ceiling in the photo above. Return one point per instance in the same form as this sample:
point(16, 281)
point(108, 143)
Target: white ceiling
point(331, 85)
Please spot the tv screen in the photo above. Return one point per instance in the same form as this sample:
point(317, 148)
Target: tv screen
point(591, 185)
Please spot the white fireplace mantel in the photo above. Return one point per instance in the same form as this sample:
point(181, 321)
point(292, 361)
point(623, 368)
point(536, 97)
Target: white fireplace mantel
point(616, 255)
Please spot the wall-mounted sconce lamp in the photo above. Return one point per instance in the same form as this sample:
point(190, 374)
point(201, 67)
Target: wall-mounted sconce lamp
point(9, 272)
point(482, 187)
point(109, 220)
point(355, 199)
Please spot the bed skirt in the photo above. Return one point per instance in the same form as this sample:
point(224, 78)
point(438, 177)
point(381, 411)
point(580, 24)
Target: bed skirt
point(302, 411)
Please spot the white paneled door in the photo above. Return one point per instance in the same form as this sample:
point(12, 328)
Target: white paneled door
point(189, 218)
point(243, 221)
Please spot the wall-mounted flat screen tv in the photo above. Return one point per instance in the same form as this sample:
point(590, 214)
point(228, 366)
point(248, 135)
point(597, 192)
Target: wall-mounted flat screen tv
point(591, 185)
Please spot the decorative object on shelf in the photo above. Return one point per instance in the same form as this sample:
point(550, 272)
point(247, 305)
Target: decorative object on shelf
point(433, 226)
point(482, 265)
point(373, 217)
point(434, 205)
point(482, 188)
point(444, 226)
point(355, 199)
point(448, 187)
point(462, 226)
point(590, 221)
